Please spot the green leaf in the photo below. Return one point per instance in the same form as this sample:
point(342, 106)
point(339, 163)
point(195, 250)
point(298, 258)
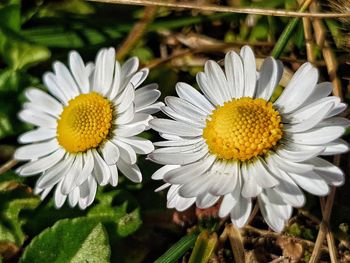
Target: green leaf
point(204, 247)
point(116, 218)
point(129, 223)
point(11, 213)
point(21, 55)
point(9, 80)
point(6, 234)
point(70, 240)
point(10, 17)
point(178, 249)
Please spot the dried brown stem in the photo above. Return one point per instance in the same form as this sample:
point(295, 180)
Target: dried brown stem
point(224, 9)
point(253, 213)
point(137, 32)
point(8, 165)
point(236, 242)
point(323, 227)
point(274, 235)
point(328, 54)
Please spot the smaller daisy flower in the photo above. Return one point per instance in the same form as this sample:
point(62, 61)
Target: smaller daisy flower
point(87, 129)
point(233, 144)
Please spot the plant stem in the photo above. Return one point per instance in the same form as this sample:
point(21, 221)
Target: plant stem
point(287, 32)
point(178, 249)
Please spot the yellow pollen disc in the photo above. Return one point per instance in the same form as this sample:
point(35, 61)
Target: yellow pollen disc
point(84, 123)
point(242, 129)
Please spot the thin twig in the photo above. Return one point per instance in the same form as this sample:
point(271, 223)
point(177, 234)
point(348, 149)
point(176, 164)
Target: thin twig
point(8, 165)
point(328, 54)
point(137, 32)
point(253, 213)
point(274, 235)
point(236, 242)
point(309, 43)
point(330, 238)
point(323, 227)
point(225, 9)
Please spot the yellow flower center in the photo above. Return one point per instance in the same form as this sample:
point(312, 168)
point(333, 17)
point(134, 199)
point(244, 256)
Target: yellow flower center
point(84, 123)
point(242, 129)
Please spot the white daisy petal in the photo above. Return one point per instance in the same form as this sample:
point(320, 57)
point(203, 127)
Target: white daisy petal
point(113, 180)
point(130, 67)
point(65, 80)
point(298, 89)
point(250, 187)
point(38, 118)
point(103, 73)
point(139, 145)
point(217, 79)
point(87, 168)
point(199, 123)
point(317, 136)
point(101, 171)
point(59, 197)
point(146, 96)
point(50, 82)
point(125, 99)
point(175, 158)
point(55, 174)
point(263, 177)
point(241, 212)
point(234, 74)
point(190, 94)
point(289, 166)
point(311, 122)
point(174, 127)
point(206, 200)
point(129, 130)
point(37, 135)
point(159, 174)
point(338, 146)
point(227, 204)
point(42, 164)
point(249, 71)
point(139, 77)
point(73, 197)
point(321, 91)
point(334, 121)
point(151, 109)
point(110, 152)
point(311, 182)
point(328, 171)
point(162, 187)
point(116, 81)
point(127, 153)
point(36, 150)
point(126, 116)
point(269, 78)
point(46, 103)
point(198, 186)
point(68, 182)
point(298, 152)
point(79, 72)
point(208, 91)
point(132, 172)
point(275, 222)
point(186, 174)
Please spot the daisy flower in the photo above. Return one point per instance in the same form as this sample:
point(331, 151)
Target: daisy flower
point(232, 142)
point(87, 128)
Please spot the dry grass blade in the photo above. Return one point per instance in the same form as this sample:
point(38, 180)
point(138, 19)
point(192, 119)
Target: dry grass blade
point(236, 242)
point(224, 9)
point(8, 165)
point(137, 32)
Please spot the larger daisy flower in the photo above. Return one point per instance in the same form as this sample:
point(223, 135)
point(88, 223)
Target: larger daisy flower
point(232, 142)
point(87, 129)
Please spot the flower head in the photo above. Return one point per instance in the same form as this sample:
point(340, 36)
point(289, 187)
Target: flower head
point(234, 144)
point(87, 128)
